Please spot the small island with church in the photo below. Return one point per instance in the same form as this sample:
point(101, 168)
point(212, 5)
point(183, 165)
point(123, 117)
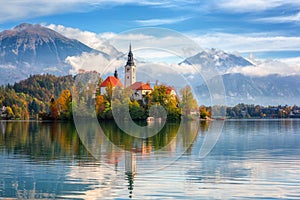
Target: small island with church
point(143, 96)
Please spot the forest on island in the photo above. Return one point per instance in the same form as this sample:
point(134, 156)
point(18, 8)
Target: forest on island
point(48, 97)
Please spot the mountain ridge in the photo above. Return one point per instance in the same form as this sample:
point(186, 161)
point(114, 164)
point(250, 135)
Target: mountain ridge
point(29, 49)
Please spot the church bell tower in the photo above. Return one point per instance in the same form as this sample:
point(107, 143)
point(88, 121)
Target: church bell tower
point(130, 71)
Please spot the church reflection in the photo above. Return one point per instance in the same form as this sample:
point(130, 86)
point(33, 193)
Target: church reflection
point(130, 170)
point(118, 150)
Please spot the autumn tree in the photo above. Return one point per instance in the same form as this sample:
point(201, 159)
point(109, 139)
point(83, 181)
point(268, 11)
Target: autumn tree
point(9, 113)
point(204, 114)
point(64, 103)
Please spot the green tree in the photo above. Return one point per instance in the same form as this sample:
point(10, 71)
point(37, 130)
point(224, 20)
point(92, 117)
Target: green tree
point(188, 102)
point(136, 110)
point(161, 96)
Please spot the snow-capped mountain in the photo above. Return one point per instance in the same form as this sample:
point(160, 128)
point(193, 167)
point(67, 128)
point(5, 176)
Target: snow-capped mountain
point(34, 49)
point(240, 88)
point(219, 59)
point(266, 90)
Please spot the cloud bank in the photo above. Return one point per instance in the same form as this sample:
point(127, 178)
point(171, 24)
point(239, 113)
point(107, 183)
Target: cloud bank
point(283, 67)
point(163, 59)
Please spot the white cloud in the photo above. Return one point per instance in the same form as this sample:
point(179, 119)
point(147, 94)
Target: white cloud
point(247, 42)
point(88, 62)
point(164, 49)
point(91, 39)
point(253, 5)
point(284, 67)
point(170, 74)
point(281, 19)
point(156, 22)
point(142, 39)
point(15, 10)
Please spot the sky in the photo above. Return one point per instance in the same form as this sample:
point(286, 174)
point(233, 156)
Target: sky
point(256, 28)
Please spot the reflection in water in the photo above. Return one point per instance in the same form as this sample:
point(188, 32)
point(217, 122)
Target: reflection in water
point(42, 141)
point(53, 145)
point(252, 159)
point(130, 169)
point(159, 150)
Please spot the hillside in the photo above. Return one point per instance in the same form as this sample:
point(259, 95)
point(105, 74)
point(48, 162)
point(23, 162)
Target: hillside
point(32, 96)
point(43, 87)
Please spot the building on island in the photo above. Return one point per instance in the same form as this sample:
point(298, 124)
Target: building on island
point(140, 90)
point(171, 91)
point(110, 81)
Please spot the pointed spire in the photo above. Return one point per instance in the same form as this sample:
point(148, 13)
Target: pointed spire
point(130, 61)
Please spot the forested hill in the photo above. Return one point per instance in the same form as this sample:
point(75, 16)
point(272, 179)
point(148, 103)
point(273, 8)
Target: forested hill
point(43, 87)
point(32, 96)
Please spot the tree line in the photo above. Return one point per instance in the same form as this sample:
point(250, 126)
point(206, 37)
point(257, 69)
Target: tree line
point(49, 97)
point(247, 111)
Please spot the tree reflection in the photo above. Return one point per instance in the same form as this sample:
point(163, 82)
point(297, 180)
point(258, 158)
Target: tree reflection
point(43, 141)
point(141, 145)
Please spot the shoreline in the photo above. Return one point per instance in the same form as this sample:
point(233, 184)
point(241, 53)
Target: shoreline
point(200, 120)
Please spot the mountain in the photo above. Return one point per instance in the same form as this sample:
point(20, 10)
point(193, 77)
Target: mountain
point(240, 88)
point(265, 90)
point(217, 58)
point(34, 49)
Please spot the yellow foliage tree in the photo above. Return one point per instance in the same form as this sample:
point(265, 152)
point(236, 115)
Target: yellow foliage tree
point(100, 106)
point(64, 100)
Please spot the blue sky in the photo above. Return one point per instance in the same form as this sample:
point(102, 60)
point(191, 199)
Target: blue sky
point(232, 16)
point(231, 25)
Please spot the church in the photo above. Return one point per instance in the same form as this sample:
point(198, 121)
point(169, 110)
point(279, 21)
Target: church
point(140, 89)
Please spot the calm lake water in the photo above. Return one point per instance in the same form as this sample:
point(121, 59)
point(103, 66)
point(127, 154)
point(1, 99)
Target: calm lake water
point(249, 160)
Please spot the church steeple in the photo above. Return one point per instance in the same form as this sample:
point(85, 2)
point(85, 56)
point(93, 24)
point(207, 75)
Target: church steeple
point(130, 60)
point(130, 72)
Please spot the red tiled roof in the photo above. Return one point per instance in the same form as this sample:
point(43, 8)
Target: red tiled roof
point(169, 89)
point(111, 80)
point(140, 86)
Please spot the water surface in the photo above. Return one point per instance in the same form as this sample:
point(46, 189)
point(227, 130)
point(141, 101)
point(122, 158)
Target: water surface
point(251, 160)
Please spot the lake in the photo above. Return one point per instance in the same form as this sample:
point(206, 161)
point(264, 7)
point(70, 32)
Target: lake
point(238, 159)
